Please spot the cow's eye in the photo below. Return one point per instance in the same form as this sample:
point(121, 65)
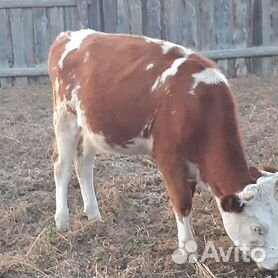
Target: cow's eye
point(259, 230)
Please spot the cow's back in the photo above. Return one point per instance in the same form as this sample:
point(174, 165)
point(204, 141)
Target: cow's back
point(126, 90)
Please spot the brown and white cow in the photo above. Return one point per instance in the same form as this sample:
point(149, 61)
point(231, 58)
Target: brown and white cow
point(136, 95)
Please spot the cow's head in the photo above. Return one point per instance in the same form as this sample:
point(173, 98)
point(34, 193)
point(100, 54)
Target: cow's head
point(251, 220)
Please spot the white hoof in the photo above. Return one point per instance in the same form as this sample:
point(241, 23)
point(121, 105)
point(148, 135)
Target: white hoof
point(62, 222)
point(93, 214)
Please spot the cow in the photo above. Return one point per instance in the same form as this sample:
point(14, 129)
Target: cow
point(135, 95)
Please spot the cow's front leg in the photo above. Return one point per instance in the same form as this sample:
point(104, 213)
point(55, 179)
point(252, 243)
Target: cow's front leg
point(180, 190)
point(185, 232)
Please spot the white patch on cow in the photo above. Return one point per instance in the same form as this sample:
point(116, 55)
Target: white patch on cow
point(136, 145)
point(75, 104)
point(171, 71)
point(62, 211)
point(173, 112)
point(209, 76)
point(63, 34)
point(149, 66)
point(60, 35)
point(156, 83)
point(86, 57)
point(56, 85)
point(149, 40)
point(75, 40)
point(185, 232)
point(166, 46)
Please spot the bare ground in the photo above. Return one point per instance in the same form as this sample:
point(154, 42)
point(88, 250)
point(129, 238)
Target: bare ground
point(138, 234)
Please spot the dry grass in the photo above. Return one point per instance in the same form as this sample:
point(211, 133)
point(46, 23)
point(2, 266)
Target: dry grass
point(138, 232)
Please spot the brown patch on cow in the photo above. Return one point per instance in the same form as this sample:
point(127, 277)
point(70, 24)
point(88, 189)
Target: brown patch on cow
point(55, 154)
point(55, 52)
point(70, 109)
point(173, 169)
point(200, 62)
point(218, 140)
point(79, 147)
point(232, 203)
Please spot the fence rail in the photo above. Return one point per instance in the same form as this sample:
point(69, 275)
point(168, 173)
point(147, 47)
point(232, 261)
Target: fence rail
point(248, 52)
point(213, 54)
point(8, 4)
point(242, 35)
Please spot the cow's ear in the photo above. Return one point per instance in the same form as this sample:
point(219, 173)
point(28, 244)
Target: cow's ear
point(232, 203)
point(269, 169)
point(254, 173)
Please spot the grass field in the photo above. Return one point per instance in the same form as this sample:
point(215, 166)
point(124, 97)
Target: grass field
point(138, 234)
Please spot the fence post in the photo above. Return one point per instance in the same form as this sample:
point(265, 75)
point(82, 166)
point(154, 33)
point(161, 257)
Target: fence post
point(82, 7)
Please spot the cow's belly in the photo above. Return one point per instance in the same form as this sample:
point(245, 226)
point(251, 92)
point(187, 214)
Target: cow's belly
point(138, 145)
point(134, 146)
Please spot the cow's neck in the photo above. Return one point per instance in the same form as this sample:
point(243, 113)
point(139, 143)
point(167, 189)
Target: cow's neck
point(224, 167)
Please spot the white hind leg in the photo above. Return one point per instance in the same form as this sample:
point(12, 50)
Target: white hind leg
point(84, 158)
point(66, 132)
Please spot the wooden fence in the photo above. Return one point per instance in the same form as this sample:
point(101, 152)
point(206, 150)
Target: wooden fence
point(242, 35)
point(27, 28)
point(208, 26)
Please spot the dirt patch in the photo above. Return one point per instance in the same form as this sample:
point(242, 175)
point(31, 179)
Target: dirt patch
point(138, 235)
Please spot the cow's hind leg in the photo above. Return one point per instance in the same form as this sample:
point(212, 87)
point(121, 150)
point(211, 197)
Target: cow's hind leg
point(84, 158)
point(66, 133)
point(173, 168)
